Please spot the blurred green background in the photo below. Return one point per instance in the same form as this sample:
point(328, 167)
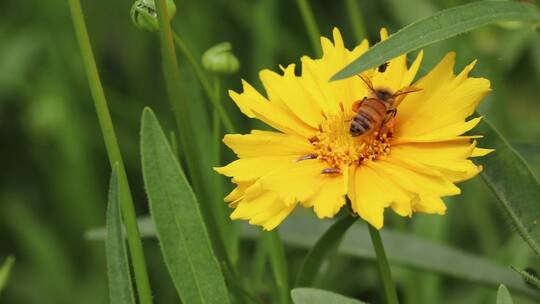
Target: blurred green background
point(54, 170)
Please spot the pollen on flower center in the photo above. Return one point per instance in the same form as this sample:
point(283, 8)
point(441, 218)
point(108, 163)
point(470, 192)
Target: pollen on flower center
point(335, 145)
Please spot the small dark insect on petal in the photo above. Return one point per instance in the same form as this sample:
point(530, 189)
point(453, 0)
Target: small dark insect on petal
point(331, 171)
point(307, 156)
point(382, 67)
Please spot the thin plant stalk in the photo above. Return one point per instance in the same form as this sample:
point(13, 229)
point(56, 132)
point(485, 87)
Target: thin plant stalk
point(172, 76)
point(227, 229)
point(173, 81)
point(113, 151)
point(205, 82)
point(357, 21)
point(183, 122)
point(273, 240)
point(382, 262)
point(311, 25)
point(276, 254)
point(383, 266)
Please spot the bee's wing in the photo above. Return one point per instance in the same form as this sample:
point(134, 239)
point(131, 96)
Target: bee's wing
point(400, 95)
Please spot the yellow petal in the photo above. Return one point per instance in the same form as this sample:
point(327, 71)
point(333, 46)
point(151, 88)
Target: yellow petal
point(400, 197)
point(450, 159)
point(369, 197)
point(290, 92)
point(445, 100)
point(250, 169)
point(404, 135)
point(297, 181)
point(267, 143)
point(477, 152)
point(329, 198)
point(416, 182)
point(429, 204)
point(409, 75)
point(254, 105)
point(331, 96)
point(264, 210)
point(393, 77)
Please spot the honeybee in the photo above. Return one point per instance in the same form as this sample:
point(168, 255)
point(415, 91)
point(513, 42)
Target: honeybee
point(377, 109)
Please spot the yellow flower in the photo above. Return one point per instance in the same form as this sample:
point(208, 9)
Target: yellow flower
point(408, 164)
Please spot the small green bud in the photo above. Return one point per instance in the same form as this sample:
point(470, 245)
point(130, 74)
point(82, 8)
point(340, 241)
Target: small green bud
point(144, 15)
point(220, 59)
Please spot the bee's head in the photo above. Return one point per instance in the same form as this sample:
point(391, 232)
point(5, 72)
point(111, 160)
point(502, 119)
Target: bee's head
point(384, 95)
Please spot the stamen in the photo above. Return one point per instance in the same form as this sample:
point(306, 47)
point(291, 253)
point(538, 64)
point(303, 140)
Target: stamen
point(335, 145)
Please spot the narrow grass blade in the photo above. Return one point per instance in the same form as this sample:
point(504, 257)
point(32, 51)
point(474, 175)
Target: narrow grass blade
point(318, 296)
point(120, 286)
point(528, 277)
point(311, 25)
point(180, 228)
point(442, 25)
point(113, 152)
point(503, 296)
point(513, 183)
point(5, 271)
point(325, 246)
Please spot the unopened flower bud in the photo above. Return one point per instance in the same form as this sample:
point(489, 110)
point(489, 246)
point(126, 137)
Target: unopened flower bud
point(220, 59)
point(144, 15)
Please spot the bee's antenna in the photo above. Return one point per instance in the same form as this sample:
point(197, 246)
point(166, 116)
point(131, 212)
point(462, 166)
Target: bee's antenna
point(367, 81)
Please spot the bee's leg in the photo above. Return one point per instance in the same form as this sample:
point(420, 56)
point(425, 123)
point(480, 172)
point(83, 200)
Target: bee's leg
point(388, 123)
point(390, 114)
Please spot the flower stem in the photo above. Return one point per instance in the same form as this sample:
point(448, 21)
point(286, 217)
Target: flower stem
point(311, 25)
point(278, 263)
point(185, 130)
point(203, 79)
point(113, 152)
point(357, 21)
point(384, 268)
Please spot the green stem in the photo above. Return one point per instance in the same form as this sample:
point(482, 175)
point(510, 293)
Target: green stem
point(203, 79)
point(173, 81)
point(311, 26)
point(384, 268)
point(226, 227)
point(113, 152)
point(276, 253)
point(183, 121)
point(357, 21)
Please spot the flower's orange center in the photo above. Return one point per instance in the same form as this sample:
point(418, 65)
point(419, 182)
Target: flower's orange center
point(335, 145)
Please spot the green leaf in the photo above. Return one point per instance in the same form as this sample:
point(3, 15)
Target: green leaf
point(404, 249)
point(120, 286)
point(328, 243)
point(318, 296)
point(513, 183)
point(442, 25)
point(503, 296)
point(5, 270)
point(528, 277)
point(180, 228)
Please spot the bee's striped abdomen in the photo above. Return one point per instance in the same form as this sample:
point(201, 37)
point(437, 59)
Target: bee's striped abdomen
point(370, 114)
